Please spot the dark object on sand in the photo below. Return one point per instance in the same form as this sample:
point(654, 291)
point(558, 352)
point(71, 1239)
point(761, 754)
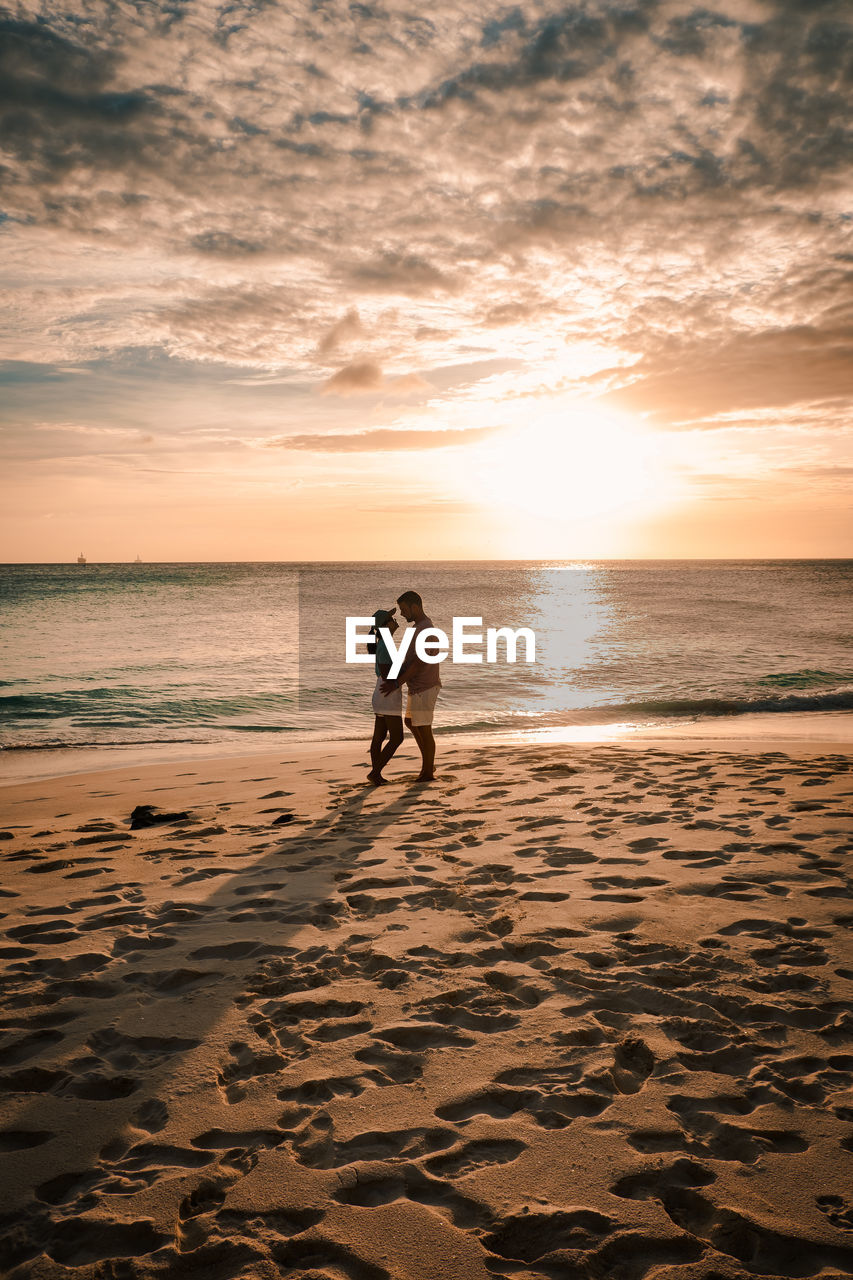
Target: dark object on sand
point(145, 815)
point(283, 818)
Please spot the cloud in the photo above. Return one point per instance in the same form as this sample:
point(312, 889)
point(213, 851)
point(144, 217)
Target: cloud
point(365, 376)
point(436, 508)
point(342, 331)
point(779, 367)
point(224, 244)
point(61, 107)
point(283, 187)
point(406, 274)
point(383, 440)
point(355, 379)
point(408, 384)
point(83, 429)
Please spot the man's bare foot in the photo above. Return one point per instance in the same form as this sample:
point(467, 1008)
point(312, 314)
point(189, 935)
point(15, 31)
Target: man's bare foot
point(376, 779)
point(425, 777)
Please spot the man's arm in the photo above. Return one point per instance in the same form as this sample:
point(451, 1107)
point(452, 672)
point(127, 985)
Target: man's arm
point(389, 686)
point(411, 663)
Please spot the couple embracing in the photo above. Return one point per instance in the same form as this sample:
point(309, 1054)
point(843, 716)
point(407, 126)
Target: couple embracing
point(422, 685)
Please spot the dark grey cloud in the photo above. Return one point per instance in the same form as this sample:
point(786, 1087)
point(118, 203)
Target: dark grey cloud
point(60, 105)
point(563, 46)
point(80, 93)
point(399, 273)
point(224, 244)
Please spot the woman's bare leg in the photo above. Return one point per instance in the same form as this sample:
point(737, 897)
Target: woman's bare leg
point(394, 727)
point(379, 730)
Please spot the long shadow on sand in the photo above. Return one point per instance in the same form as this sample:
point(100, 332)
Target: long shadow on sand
point(72, 1054)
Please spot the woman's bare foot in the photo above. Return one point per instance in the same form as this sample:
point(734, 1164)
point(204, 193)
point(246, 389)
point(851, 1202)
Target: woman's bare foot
point(425, 777)
point(376, 779)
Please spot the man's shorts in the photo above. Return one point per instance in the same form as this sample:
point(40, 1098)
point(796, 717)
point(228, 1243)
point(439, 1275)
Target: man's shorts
point(420, 706)
point(390, 704)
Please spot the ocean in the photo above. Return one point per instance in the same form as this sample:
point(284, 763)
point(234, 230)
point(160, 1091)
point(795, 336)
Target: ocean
point(143, 655)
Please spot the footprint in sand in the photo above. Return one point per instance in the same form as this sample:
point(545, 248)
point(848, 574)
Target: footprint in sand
point(410, 1183)
point(633, 1063)
point(246, 1066)
point(836, 1209)
point(151, 1116)
point(653, 1183)
point(530, 1237)
point(24, 1139)
point(79, 1242)
point(325, 1259)
point(470, 1157)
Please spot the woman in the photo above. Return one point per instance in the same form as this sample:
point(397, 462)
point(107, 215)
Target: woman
point(387, 707)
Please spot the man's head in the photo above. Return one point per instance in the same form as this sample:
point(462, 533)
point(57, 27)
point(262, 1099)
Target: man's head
point(411, 606)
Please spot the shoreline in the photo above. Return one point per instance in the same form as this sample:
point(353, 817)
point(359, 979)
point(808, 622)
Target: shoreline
point(798, 731)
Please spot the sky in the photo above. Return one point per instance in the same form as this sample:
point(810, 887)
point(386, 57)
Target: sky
point(371, 281)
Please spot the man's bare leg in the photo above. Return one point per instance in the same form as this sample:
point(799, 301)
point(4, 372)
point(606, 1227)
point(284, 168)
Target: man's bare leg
point(379, 730)
point(426, 746)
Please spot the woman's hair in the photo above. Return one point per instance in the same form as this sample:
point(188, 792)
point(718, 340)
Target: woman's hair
point(410, 597)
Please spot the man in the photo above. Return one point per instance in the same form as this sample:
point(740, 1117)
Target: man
point(423, 683)
point(387, 708)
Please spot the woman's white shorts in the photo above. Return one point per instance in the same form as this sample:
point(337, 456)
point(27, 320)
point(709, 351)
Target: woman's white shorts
point(421, 706)
point(390, 704)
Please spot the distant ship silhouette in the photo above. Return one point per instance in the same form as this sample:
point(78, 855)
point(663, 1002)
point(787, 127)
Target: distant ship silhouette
point(81, 559)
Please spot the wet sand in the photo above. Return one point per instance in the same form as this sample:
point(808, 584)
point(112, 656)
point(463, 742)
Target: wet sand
point(574, 1011)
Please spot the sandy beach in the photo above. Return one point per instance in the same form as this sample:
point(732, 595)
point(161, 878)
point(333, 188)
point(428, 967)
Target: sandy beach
point(576, 1011)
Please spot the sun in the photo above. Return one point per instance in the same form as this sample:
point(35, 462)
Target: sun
point(576, 462)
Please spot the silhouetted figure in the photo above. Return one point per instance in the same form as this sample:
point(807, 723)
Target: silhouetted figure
point(387, 707)
point(423, 684)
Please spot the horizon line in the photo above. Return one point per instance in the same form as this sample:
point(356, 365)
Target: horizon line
point(142, 564)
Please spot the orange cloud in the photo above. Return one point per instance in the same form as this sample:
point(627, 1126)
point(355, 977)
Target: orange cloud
point(354, 379)
point(383, 439)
